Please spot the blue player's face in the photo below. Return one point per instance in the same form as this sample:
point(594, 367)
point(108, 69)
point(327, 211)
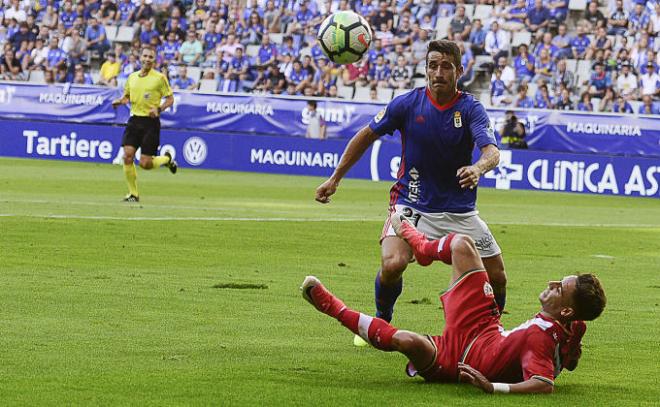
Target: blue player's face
point(441, 72)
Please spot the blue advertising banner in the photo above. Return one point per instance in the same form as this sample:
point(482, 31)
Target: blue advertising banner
point(518, 169)
point(557, 131)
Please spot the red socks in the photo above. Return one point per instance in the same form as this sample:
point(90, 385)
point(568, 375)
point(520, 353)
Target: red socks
point(376, 331)
point(436, 249)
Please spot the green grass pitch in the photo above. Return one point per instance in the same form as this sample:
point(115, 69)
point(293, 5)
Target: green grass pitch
point(191, 297)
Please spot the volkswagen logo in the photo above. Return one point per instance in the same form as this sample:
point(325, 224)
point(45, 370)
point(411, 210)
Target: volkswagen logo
point(194, 151)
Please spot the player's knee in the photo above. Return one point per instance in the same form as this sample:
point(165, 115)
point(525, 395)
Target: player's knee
point(394, 263)
point(463, 245)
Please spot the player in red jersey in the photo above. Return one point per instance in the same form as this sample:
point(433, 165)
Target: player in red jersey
point(474, 347)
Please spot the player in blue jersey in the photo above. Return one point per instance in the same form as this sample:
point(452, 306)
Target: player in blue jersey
point(436, 185)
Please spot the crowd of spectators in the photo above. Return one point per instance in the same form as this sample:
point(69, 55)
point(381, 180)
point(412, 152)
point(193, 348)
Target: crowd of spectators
point(602, 58)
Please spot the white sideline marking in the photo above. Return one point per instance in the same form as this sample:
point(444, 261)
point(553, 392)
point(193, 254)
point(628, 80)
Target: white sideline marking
point(286, 219)
point(602, 256)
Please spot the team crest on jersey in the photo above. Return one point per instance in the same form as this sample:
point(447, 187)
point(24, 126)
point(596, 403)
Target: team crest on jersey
point(458, 123)
point(488, 290)
point(380, 115)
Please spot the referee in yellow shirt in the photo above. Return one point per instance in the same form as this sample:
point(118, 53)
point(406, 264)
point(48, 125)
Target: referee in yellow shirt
point(144, 89)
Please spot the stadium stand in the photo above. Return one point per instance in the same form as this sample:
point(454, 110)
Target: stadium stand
point(44, 45)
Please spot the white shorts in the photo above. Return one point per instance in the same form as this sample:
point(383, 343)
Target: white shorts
point(437, 225)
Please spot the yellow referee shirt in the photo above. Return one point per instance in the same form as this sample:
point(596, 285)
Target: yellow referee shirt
point(146, 92)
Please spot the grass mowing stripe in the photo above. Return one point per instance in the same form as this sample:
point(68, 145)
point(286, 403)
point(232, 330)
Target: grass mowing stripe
point(336, 219)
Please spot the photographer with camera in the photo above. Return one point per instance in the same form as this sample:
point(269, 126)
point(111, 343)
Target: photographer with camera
point(512, 132)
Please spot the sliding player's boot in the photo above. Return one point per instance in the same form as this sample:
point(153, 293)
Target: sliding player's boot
point(407, 231)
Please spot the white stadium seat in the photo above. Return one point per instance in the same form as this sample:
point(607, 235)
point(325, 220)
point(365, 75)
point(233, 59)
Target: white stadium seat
point(208, 85)
point(194, 72)
point(345, 92)
point(384, 94)
point(482, 12)
point(37, 76)
point(125, 34)
point(110, 32)
point(361, 93)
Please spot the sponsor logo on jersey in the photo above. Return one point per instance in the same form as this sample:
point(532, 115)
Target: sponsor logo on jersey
point(458, 123)
point(147, 96)
point(380, 115)
point(413, 185)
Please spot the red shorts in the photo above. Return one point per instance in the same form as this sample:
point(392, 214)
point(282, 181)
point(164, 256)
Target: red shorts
point(469, 307)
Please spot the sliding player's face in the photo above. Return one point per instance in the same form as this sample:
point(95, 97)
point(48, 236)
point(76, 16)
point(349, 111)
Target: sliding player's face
point(441, 73)
point(147, 58)
point(557, 298)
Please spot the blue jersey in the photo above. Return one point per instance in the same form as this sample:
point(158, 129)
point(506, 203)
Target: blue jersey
point(436, 141)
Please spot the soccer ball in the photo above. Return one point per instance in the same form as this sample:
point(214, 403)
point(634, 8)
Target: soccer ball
point(344, 37)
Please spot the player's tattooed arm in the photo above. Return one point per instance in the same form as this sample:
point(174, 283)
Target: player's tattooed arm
point(468, 374)
point(354, 150)
point(468, 176)
point(490, 157)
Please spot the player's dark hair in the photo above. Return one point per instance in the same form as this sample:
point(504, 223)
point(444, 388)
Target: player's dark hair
point(445, 47)
point(589, 299)
point(312, 103)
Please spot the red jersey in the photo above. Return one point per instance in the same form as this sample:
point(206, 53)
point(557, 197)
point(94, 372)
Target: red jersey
point(474, 335)
point(529, 351)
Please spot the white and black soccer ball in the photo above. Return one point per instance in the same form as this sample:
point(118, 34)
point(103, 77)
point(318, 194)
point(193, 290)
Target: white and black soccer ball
point(344, 37)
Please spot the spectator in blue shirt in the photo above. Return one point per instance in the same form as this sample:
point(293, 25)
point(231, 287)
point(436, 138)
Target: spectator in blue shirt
point(538, 18)
point(56, 56)
point(287, 48)
point(599, 81)
point(148, 32)
point(544, 67)
point(124, 12)
point(648, 107)
point(254, 30)
point(183, 81)
point(585, 105)
point(515, 16)
point(498, 91)
point(580, 43)
point(169, 49)
point(523, 100)
point(376, 50)
point(546, 43)
point(478, 37)
point(621, 106)
point(543, 99)
point(558, 10)
point(299, 76)
point(563, 43)
point(23, 35)
point(467, 61)
point(95, 37)
point(524, 64)
point(379, 72)
point(212, 38)
point(68, 15)
point(639, 19)
point(267, 53)
point(618, 21)
point(317, 51)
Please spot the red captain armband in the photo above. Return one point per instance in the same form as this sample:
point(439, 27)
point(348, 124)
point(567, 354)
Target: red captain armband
point(571, 350)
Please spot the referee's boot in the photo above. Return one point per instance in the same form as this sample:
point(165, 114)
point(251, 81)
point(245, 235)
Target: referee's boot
point(131, 198)
point(172, 165)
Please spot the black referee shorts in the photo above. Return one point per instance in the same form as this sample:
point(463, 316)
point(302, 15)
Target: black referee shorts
point(143, 132)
